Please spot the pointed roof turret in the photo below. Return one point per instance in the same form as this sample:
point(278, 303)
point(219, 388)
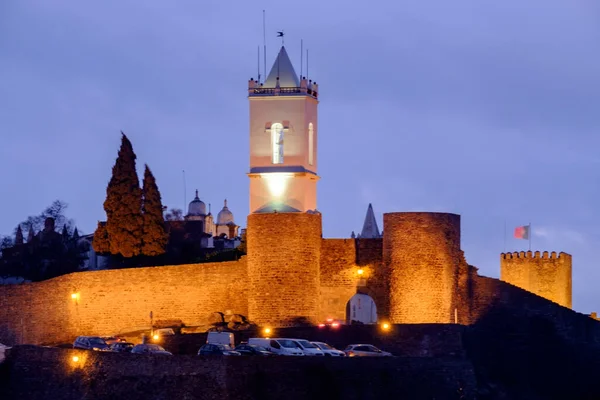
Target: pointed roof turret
point(370, 229)
point(284, 70)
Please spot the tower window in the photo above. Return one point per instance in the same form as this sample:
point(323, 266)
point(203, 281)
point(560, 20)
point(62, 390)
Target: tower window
point(277, 142)
point(311, 144)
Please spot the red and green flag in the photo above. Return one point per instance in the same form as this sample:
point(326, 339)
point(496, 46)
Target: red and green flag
point(522, 232)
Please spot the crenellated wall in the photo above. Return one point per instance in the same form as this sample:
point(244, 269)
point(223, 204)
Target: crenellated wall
point(545, 274)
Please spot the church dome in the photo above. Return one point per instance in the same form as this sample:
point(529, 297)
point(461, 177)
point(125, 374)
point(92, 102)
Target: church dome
point(197, 206)
point(225, 216)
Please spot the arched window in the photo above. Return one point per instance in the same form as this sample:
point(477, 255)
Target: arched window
point(277, 143)
point(311, 144)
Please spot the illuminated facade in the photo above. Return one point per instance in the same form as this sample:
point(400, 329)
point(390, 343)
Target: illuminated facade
point(283, 141)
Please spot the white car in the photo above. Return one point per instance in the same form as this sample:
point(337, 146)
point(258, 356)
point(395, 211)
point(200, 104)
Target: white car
point(308, 348)
point(365, 350)
point(329, 350)
point(280, 346)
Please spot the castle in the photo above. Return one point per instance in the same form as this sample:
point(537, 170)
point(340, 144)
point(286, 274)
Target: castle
point(416, 272)
point(413, 272)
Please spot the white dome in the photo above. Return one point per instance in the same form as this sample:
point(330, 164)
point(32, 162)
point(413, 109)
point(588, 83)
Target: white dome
point(225, 216)
point(197, 206)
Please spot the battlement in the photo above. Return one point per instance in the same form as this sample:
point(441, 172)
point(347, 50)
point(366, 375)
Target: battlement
point(547, 274)
point(534, 255)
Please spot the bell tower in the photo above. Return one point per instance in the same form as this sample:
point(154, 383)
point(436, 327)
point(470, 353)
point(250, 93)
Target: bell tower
point(283, 140)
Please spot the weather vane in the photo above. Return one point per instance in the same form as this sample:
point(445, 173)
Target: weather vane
point(280, 34)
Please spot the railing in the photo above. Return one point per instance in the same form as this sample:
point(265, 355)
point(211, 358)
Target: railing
point(258, 91)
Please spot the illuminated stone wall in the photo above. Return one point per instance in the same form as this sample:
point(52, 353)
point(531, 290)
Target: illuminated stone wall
point(341, 259)
point(114, 301)
point(422, 252)
point(546, 274)
point(283, 267)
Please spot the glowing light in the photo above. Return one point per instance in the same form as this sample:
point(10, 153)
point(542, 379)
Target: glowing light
point(360, 271)
point(75, 359)
point(321, 325)
point(385, 326)
point(335, 325)
point(277, 183)
point(267, 331)
point(156, 337)
point(74, 296)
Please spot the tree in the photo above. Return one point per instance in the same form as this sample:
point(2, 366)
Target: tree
point(154, 237)
point(19, 235)
point(123, 204)
point(56, 210)
point(65, 233)
point(175, 214)
point(100, 241)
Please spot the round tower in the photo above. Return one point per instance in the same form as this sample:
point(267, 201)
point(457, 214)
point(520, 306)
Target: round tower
point(284, 251)
point(422, 252)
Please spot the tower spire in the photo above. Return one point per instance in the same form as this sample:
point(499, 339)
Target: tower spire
point(284, 70)
point(370, 229)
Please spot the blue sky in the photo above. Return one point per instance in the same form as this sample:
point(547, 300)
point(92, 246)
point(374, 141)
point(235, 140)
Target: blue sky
point(486, 110)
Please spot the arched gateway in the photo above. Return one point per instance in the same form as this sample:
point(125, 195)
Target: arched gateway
point(361, 308)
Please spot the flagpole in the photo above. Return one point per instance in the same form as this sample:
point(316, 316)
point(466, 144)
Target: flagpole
point(504, 236)
point(530, 234)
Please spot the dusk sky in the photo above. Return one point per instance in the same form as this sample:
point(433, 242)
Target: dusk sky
point(485, 109)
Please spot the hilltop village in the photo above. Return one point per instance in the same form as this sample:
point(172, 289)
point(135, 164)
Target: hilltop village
point(412, 277)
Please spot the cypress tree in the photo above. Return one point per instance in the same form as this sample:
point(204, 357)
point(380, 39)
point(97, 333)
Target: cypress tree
point(123, 204)
point(154, 237)
point(19, 235)
point(100, 242)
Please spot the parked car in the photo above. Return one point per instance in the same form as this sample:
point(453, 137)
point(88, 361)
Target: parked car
point(112, 339)
point(217, 350)
point(149, 349)
point(121, 347)
point(3, 349)
point(329, 350)
point(246, 349)
point(331, 323)
point(280, 346)
point(365, 350)
point(90, 343)
point(308, 348)
point(220, 338)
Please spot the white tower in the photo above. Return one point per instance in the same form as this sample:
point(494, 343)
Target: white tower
point(283, 141)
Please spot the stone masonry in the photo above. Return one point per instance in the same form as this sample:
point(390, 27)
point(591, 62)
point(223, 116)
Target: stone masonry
point(283, 267)
point(423, 252)
point(547, 275)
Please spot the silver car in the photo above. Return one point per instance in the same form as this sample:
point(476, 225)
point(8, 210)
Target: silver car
point(329, 350)
point(365, 350)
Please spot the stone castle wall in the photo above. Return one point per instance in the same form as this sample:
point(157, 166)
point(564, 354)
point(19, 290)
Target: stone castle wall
point(547, 275)
point(415, 274)
point(422, 251)
point(118, 301)
point(284, 252)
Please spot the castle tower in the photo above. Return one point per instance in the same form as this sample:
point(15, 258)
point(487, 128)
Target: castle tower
point(547, 275)
point(284, 230)
point(423, 255)
point(283, 141)
point(284, 251)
